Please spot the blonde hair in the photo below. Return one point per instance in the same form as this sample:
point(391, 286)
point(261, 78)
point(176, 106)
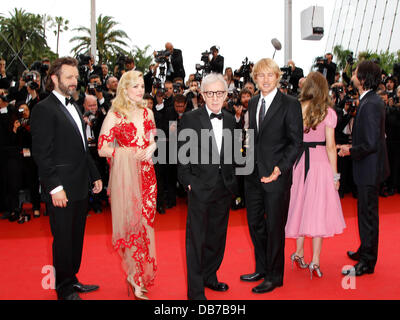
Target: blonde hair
point(266, 64)
point(315, 91)
point(121, 103)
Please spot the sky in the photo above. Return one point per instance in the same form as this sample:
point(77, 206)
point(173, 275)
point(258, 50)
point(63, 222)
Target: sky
point(240, 28)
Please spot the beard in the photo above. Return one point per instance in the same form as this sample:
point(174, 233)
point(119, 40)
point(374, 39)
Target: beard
point(65, 89)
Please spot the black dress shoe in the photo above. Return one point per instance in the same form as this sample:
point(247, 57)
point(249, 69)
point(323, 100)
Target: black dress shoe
point(358, 270)
point(218, 286)
point(353, 255)
point(82, 288)
point(252, 277)
point(266, 286)
point(72, 296)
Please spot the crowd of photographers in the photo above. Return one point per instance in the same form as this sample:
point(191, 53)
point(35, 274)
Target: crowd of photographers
point(169, 96)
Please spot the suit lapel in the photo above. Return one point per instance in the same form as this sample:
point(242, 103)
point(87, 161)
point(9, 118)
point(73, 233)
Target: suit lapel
point(69, 117)
point(273, 108)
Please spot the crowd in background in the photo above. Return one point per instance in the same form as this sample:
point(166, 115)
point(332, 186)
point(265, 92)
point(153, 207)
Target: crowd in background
point(169, 93)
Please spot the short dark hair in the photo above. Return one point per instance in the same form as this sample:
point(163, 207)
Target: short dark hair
point(180, 98)
point(369, 74)
point(55, 69)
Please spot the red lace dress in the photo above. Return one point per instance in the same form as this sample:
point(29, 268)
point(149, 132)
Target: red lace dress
point(132, 189)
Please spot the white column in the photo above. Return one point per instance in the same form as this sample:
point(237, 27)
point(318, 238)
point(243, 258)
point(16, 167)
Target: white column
point(93, 48)
point(288, 31)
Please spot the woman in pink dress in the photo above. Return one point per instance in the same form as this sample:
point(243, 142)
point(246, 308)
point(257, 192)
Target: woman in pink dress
point(315, 210)
point(127, 139)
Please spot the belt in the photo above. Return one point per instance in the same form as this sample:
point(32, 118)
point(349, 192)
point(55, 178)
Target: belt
point(306, 150)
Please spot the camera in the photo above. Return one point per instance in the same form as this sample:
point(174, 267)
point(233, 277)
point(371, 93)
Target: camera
point(244, 72)
point(93, 87)
point(350, 59)
point(178, 87)
point(162, 56)
point(233, 99)
point(30, 79)
point(206, 67)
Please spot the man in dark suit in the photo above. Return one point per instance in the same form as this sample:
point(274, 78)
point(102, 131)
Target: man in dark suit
point(175, 67)
point(209, 176)
point(217, 61)
point(370, 164)
point(277, 123)
point(66, 170)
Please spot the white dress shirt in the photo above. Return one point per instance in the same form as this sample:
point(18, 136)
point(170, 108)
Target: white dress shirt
point(268, 100)
point(217, 129)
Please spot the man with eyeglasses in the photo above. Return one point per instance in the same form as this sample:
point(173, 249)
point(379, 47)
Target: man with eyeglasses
point(277, 123)
point(209, 178)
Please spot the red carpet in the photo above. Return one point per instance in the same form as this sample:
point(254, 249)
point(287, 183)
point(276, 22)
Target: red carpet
point(25, 249)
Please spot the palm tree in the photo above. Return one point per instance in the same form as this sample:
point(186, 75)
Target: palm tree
point(21, 34)
point(61, 25)
point(142, 59)
point(108, 40)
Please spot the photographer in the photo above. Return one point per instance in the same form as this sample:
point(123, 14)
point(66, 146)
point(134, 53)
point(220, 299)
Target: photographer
point(112, 85)
point(192, 95)
point(392, 129)
point(346, 103)
point(5, 80)
point(217, 61)
point(327, 67)
point(93, 120)
point(94, 88)
point(149, 77)
point(295, 75)
point(6, 110)
point(22, 172)
point(174, 62)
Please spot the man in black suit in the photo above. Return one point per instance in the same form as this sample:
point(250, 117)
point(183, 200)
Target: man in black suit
point(217, 61)
point(175, 67)
point(66, 170)
point(209, 176)
point(370, 164)
point(277, 123)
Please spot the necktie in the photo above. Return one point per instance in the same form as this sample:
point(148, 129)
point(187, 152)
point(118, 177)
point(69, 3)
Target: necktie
point(68, 101)
point(261, 114)
point(214, 115)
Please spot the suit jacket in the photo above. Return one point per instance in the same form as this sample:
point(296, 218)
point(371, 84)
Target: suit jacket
point(217, 64)
point(279, 140)
point(58, 150)
point(368, 152)
point(177, 64)
point(203, 177)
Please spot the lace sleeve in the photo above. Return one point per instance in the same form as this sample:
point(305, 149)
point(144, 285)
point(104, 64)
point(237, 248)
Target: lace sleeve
point(106, 144)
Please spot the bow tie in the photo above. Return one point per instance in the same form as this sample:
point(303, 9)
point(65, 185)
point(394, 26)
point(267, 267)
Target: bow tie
point(69, 101)
point(214, 115)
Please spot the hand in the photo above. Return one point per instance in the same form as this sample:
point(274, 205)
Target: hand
point(98, 186)
point(59, 199)
point(274, 176)
point(189, 187)
point(337, 185)
point(344, 149)
point(238, 110)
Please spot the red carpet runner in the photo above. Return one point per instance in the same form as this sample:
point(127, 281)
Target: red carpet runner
point(25, 256)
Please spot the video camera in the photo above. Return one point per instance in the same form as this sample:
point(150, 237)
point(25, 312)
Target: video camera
point(162, 56)
point(244, 72)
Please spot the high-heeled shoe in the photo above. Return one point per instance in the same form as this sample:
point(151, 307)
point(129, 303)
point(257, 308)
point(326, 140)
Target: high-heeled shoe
point(299, 261)
point(315, 270)
point(136, 290)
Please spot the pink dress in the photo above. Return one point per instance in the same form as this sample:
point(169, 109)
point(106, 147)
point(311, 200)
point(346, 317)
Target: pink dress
point(315, 209)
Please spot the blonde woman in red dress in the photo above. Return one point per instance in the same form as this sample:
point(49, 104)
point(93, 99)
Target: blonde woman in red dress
point(127, 140)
